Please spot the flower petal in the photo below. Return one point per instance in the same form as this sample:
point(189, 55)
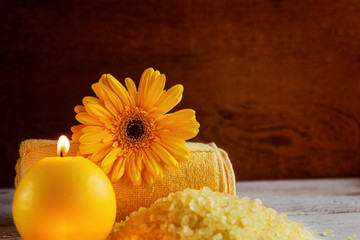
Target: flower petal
point(131, 87)
point(98, 91)
point(77, 132)
point(110, 97)
point(90, 99)
point(118, 170)
point(109, 138)
point(93, 147)
point(132, 171)
point(182, 123)
point(181, 115)
point(148, 177)
point(93, 137)
point(176, 147)
point(139, 158)
point(168, 100)
point(87, 119)
point(185, 134)
point(90, 128)
point(151, 164)
point(144, 83)
point(111, 108)
point(119, 89)
point(164, 155)
point(79, 108)
point(151, 86)
point(154, 92)
point(77, 128)
point(101, 153)
point(98, 111)
point(109, 160)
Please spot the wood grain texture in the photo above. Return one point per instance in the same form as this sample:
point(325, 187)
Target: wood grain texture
point(7, 227)
point(274, 83)
point(318, 204)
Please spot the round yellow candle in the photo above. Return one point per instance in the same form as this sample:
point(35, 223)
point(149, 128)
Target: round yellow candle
point(64, 198)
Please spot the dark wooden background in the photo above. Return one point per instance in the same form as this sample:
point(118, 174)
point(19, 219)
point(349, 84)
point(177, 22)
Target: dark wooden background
point(275, 83)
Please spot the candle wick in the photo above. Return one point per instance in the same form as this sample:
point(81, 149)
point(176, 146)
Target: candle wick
point(61, 154)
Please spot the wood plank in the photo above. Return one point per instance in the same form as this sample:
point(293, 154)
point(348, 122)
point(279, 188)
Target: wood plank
point(318, 204)
point(342, 186)
point(343, 224)
point(7, 227)
point(8, 230)
point(274, 83)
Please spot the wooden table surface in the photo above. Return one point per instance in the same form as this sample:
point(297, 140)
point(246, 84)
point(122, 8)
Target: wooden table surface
point(318, 204)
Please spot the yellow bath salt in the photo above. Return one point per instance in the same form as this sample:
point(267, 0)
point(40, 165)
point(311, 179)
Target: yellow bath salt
point(350, 237)
point(328, 232)
point(204, 214)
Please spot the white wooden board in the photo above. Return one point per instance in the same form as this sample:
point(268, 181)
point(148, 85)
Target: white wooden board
point(318, 204)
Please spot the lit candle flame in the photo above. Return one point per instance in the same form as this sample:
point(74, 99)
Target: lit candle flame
point(63, 145)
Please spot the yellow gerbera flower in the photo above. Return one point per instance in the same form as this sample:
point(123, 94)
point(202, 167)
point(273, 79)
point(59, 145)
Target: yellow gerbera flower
point(129, 132)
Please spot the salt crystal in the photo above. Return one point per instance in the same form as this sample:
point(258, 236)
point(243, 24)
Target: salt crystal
point(172, 206)
point(327, 232)
point(187, 230)
point(203, 214)
point(223, 219)
point(352, 237)
point(217, 236)
point(193, 206)
point(185, 220)
point(172, 228)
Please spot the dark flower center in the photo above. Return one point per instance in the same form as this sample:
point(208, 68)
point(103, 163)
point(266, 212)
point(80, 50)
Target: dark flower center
point(135, 129)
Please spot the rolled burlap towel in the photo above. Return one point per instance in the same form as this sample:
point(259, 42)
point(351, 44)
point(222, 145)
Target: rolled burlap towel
point(208, 166)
